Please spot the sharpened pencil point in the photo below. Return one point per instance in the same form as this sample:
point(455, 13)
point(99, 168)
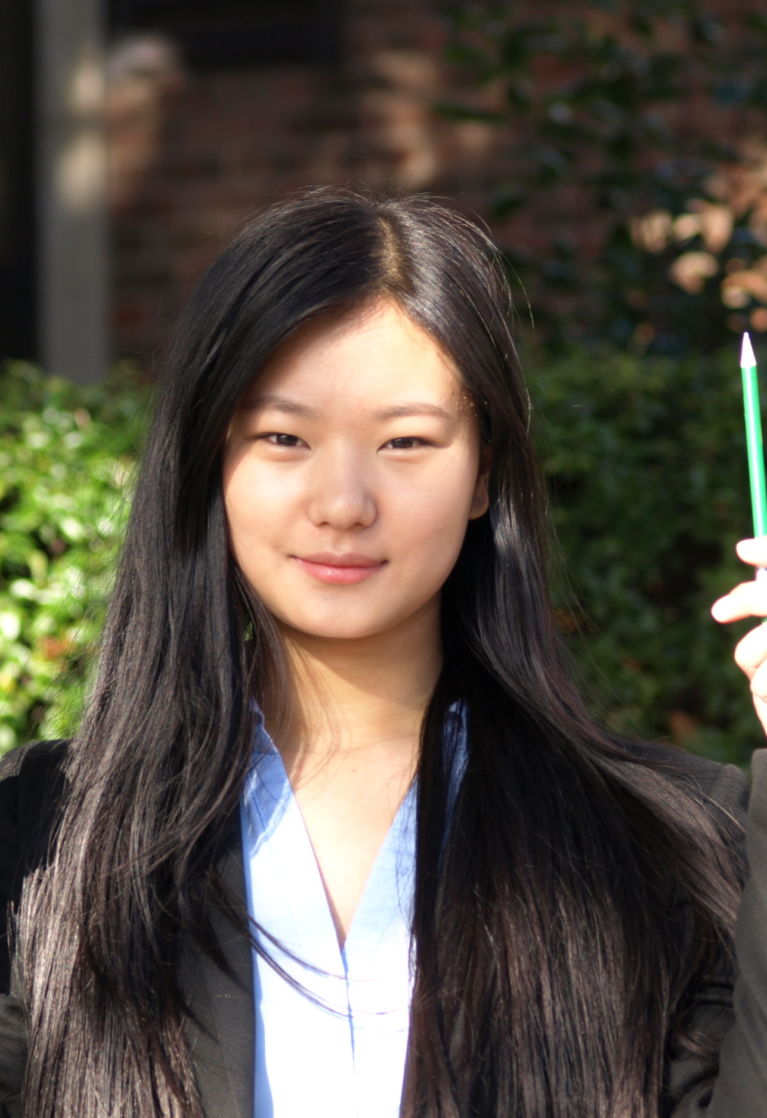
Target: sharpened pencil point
point(747, 358)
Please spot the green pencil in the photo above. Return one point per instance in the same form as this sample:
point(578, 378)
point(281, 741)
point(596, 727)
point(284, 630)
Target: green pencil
point(755, 449)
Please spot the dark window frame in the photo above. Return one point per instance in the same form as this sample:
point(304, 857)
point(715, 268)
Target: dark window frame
point(18, 219)
point(237, 33)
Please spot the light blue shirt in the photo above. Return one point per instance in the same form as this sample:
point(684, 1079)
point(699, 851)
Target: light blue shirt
point(337, 1047)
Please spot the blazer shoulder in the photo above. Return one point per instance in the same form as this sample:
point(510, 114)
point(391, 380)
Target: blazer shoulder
point(32, 785)
point(36, 755)
point(721, 787)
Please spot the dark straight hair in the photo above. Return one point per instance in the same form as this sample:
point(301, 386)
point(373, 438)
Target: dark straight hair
point(581, 895)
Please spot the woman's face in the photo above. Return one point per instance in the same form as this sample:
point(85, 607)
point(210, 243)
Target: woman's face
point(351, 469)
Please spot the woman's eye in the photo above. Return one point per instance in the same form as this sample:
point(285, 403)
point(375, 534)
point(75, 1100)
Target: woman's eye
point(405, 442)
point(279, 438)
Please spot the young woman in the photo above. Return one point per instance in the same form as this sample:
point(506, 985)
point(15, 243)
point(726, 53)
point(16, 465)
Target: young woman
point(337, 836)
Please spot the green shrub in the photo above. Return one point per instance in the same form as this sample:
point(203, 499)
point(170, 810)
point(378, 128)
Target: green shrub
point(66, 459)
point(647, 469)
point(646, 464)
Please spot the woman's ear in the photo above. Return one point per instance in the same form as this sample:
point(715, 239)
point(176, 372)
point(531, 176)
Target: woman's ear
point(481, 499)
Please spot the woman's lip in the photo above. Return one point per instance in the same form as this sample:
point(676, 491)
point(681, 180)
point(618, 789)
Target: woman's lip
point(344, 559)
point(339, 569)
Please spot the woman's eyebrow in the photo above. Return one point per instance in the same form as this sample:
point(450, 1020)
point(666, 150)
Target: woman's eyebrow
point(279, 403)
point(414, 408)
point(396, 411)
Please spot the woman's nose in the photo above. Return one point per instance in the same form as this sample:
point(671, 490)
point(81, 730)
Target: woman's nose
point(340, 493)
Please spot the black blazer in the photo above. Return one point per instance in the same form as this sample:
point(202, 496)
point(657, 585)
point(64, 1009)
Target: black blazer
point(222, 1033)
point(222, 1043)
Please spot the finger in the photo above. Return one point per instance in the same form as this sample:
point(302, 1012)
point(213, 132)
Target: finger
point(760, 706)
point(749, 599)
point(753, 551)
point(751, 652)
point(759, 691)
point(759, 684)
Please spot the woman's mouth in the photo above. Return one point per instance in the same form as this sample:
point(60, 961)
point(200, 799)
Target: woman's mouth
point(343, 569)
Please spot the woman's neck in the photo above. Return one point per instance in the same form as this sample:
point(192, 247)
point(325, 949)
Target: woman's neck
point(353, 696)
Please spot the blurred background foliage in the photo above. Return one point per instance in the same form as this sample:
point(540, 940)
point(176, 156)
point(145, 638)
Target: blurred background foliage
point(643, 121)
point(645, 461)
point(66, 462)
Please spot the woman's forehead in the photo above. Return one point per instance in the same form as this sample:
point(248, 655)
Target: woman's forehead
point(376, 355)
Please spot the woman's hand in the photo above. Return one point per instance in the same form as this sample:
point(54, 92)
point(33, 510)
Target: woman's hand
point(749, 599)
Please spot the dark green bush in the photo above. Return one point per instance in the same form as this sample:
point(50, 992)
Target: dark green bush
point(66, 459)
point(646, 464)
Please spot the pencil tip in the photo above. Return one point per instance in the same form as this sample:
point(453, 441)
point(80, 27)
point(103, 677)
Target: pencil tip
point(747, 359)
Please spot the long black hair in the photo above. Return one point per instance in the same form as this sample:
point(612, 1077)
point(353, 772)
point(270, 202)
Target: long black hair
point(581, 895)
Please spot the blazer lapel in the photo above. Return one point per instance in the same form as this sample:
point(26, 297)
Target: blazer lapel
point(222, 1031)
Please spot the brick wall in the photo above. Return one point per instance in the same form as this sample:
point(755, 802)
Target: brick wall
point(192, 152)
